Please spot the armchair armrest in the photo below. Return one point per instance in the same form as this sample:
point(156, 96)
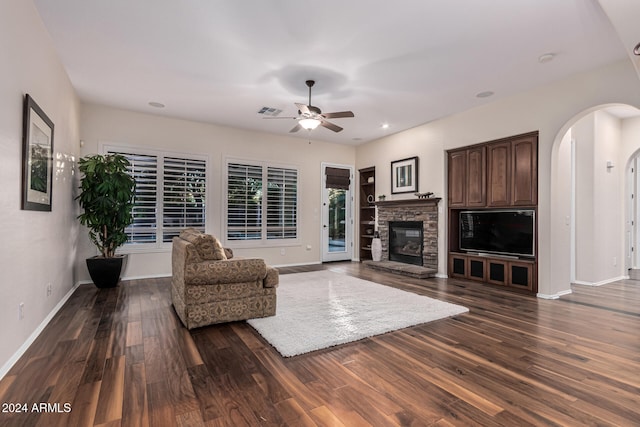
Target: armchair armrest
point(225, 271)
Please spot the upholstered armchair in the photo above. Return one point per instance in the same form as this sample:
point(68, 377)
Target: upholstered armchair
point(210, 286)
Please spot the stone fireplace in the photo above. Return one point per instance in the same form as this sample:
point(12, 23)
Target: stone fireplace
point(415, 212)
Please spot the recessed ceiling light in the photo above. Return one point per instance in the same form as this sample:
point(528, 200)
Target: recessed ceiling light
point(546, 57)
point(385, 126)
point(485, 94)
point(636, 50)
point(156, 104)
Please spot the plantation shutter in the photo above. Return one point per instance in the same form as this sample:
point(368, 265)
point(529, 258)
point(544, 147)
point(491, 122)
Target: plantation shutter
point(183, 196)
point(244, 202)
point(144, 170)
point(282, 202)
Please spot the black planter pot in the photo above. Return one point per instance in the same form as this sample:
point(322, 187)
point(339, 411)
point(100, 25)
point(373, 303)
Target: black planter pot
point(105, 272)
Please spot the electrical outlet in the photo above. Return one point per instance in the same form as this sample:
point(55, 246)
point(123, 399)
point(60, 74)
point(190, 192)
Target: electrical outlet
point(21, 311)
point(49, 289)
point(283, 252)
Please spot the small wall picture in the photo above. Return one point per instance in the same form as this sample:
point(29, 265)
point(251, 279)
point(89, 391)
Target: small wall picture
point(404, 176)
point(37, 158)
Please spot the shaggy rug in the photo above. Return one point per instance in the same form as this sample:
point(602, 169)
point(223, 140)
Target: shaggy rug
point(322, 309)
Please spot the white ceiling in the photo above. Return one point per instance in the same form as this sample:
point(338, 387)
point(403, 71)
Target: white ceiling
point(404, 63)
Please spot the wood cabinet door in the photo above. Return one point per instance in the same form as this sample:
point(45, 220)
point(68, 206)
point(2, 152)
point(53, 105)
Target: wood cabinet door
point(499, 174)
point(521, 275)
point(457, 265)
point(457, 178)
point(524, 175)
point(476, 177)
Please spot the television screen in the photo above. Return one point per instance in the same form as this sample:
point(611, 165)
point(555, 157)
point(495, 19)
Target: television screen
point(509, 232)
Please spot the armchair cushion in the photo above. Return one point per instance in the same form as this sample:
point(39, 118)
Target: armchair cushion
point(207, 246)
point(225, 271)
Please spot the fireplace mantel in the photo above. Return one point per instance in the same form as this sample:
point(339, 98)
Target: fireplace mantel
point(407, 202)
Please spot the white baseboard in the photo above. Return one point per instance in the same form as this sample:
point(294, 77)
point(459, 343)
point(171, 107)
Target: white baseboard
point(600, 283)
point(149, 276)
point(297, 264)
point(34, 335)
point(553, 296)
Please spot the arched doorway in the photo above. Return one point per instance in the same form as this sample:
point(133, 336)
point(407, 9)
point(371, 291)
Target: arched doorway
point(591, 195)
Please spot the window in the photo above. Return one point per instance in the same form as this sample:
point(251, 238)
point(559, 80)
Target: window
point(169, 195)
point(262, 202)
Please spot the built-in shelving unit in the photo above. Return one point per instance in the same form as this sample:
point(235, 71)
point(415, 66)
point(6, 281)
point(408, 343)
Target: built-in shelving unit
point(500, 174)
point(367, 211)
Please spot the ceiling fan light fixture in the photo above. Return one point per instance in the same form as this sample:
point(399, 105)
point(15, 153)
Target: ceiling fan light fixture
point(309, 124)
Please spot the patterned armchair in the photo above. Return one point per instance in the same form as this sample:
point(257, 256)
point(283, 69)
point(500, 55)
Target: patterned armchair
point(210, 286)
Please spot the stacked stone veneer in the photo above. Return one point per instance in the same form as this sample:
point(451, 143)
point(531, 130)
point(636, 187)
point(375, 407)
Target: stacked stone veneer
point(425, 210)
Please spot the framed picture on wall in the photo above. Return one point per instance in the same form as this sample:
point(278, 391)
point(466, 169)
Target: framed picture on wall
point(37, 158)
point(404, 175)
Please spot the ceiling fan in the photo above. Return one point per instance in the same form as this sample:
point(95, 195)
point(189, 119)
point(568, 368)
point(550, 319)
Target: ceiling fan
point(310, 117)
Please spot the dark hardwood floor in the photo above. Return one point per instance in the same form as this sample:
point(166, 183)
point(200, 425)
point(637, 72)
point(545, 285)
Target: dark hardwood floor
point(120, 357)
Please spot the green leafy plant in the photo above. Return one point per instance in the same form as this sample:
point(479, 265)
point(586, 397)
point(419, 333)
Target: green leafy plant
point(107, 200)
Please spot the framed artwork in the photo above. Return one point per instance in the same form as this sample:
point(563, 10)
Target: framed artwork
point(37, 158)
point(404, 175)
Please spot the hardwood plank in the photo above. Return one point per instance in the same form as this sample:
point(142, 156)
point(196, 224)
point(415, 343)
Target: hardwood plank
point(293, 414)
point(161, 413)
point(135, 412)
point(134, 334)
point(84, 405)
point(110, 400)
point(207, 393)
point(190, 419)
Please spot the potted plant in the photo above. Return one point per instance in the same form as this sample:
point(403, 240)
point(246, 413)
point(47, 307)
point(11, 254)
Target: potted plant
point(106, 197)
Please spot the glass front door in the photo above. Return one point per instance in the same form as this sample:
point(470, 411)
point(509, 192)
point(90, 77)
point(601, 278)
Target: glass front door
point(337, 224)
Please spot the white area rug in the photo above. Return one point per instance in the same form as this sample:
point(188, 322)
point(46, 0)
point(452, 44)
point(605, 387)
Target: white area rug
point(322, 308)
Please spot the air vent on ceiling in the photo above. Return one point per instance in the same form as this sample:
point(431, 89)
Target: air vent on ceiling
point(269, 111)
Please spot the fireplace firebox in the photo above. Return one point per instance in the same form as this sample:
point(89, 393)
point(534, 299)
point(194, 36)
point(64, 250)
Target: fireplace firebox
point(406, 242)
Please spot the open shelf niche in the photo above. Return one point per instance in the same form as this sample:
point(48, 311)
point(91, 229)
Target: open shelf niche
point(367, 211)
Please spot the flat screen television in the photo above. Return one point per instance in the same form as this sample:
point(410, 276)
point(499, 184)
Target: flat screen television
point(504, 232)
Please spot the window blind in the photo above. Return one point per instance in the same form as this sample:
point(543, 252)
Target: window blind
point(144, 170)
point(262, 202)
point(282, 203)
point(183, 206)
point(244, 202)
point(170, 195)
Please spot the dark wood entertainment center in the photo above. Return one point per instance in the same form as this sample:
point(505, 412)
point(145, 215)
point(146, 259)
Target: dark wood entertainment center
point(501, 174)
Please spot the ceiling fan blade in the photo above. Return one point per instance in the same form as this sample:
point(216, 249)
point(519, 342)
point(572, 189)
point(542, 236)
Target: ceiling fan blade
point(273, 118)
point(330, 125)
point(304, 109)
point(338, 115)
point(296, 128)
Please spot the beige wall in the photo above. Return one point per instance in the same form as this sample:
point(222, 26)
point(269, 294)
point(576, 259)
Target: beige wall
point(38, 247)
point(629, 158)
point(551, 110)
point(630, 139)
point(102, 125)
point(599, 198)
point(583, 133)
